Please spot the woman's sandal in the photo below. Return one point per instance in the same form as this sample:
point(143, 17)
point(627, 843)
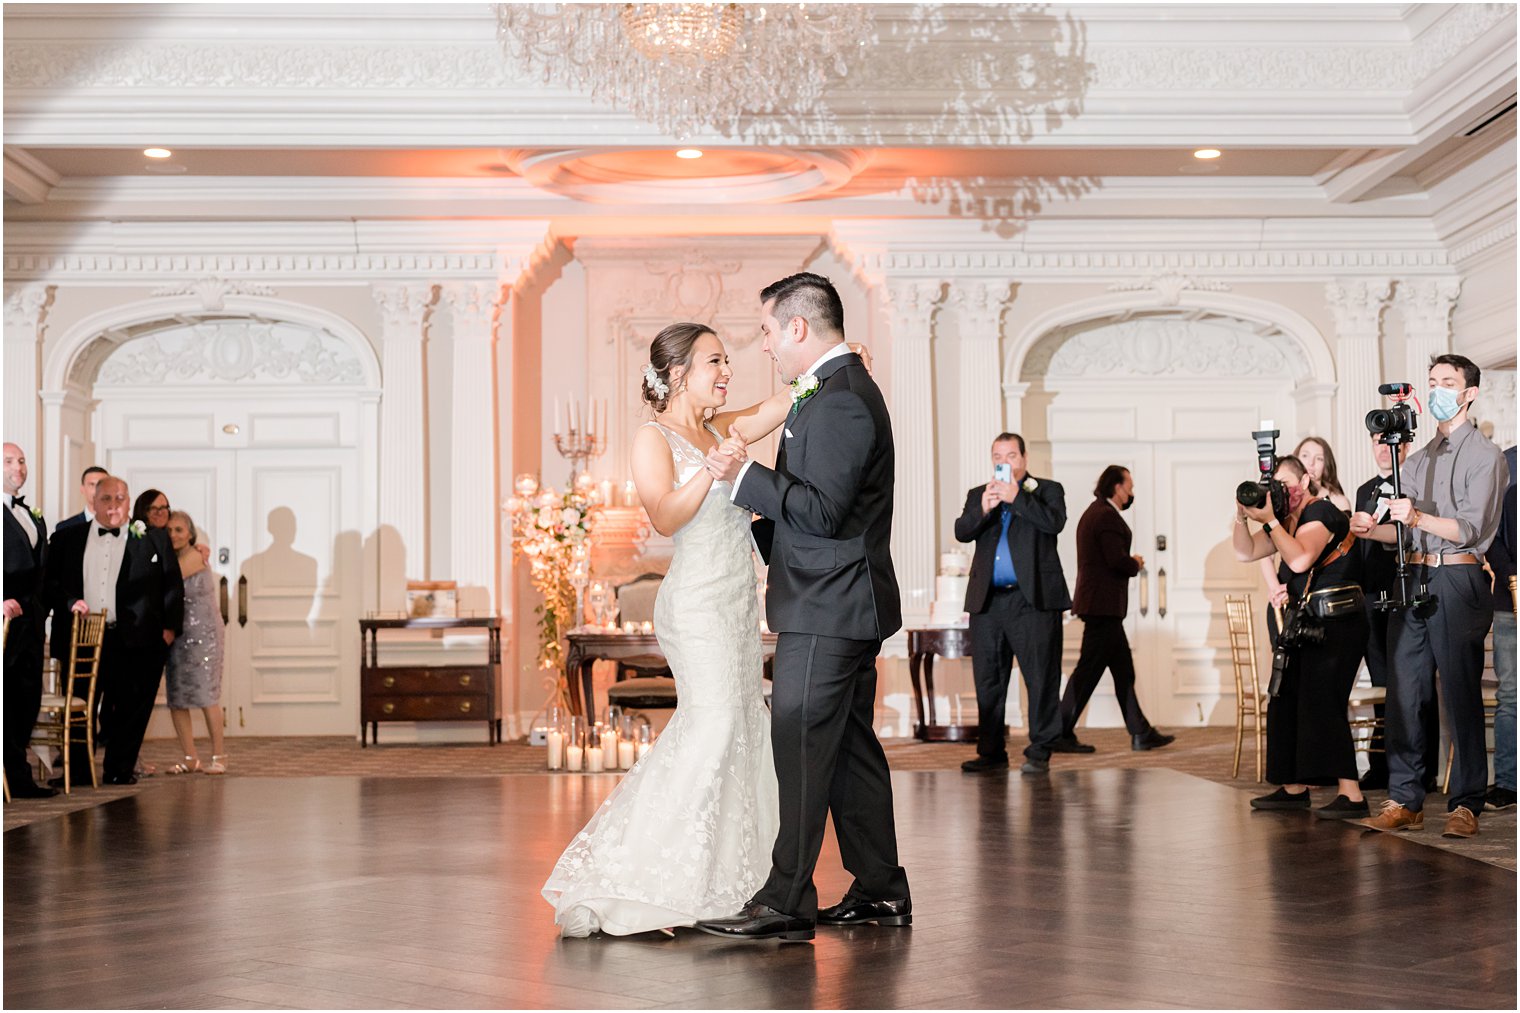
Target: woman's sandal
point(189, 765)
point(218, 765)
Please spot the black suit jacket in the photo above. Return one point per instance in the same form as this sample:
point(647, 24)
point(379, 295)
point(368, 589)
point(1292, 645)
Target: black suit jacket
point(1038, 516)
point(1104, 563)
point(1373, 563)
point(830, 498)
point(68, 522)
point(25, 566)
point(150, 593)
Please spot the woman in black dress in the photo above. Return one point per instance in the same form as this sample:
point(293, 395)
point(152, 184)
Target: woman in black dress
point(1308, 738)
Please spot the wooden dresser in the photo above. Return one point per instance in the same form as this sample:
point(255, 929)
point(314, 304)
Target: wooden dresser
point(429, 692)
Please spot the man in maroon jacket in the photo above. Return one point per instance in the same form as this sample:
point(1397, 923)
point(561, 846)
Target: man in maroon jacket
point(1104, 567)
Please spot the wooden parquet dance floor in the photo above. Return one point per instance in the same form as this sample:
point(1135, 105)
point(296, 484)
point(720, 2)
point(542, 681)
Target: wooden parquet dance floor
point(1089, 888)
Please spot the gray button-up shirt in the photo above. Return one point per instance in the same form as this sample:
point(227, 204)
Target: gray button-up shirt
point(1462, 476)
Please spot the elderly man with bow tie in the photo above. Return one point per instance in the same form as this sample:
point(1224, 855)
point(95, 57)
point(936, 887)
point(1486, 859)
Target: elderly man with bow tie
point(25, 563)
point(130, 572)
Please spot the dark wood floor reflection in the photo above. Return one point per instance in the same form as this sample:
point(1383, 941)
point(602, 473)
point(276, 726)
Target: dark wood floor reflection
point(1128, 888)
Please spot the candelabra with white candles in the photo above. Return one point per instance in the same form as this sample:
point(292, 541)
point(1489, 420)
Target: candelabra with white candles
point(580, 434)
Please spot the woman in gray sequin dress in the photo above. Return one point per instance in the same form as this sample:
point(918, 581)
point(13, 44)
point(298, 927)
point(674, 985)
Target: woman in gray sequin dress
point(195, 658)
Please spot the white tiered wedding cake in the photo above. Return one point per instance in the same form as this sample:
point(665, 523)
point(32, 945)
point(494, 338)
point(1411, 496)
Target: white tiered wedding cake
point(949, 605)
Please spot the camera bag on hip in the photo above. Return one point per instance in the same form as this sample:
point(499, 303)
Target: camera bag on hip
point(1304, 619)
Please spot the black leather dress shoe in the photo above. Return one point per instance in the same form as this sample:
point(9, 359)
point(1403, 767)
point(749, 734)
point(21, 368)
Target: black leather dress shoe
point(1069, 744)
point(757, 921)
point(852, 911)
point(121, 779)
point(32, 790)
point(1035, 765)
point(1150, 740)
point(985, 764)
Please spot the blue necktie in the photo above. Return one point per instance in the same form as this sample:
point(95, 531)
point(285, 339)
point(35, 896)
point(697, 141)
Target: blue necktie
point(1003, 573)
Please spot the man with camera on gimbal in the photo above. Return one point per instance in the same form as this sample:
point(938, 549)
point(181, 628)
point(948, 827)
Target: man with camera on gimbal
point(1453, 494)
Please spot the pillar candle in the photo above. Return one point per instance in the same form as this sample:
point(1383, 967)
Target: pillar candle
point(610, 749)
point(606, 492)
point(556, 750)
point(630, 493)
point(556, 416)
point(575, 758)
point(625, 753)
point(644, 748)
point(594, 759)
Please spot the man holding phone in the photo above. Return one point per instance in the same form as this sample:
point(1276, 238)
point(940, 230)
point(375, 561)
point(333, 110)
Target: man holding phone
point(1015, 595)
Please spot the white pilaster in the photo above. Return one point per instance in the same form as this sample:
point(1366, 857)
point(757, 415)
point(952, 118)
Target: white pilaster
point(474, 515)
point(978, 306)
point(25, 318)
point(1426, 308)
point(404, 311)
point(910, 306)
point(1013, 407)
point(1358, 306)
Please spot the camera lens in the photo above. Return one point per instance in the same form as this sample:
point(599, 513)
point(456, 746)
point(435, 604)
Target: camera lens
point(1250, 494)
point(1379, 420)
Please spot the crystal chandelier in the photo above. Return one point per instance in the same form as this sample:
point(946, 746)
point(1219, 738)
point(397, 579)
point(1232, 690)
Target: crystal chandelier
point(689, 67)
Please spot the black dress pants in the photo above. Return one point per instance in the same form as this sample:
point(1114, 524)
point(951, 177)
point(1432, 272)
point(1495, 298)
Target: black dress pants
point(1010, 629)
point(1104, 646)
point(129, 675)
point(23, 691)
point(1308, 732)
point(1379, 630)
point(828, 760)
point(1443, 637)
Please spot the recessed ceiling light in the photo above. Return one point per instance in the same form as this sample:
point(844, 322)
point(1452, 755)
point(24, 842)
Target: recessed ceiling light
point(689, 153)
point(157, 152)
point(1207, 153)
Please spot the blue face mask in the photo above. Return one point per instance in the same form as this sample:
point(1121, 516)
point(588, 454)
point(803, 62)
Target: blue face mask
point(1443, 403)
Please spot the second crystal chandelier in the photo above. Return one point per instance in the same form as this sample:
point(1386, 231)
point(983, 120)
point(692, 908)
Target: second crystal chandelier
point(693, 67)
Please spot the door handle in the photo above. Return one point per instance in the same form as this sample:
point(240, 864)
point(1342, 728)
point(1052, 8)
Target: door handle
point(241, 722)
point(221, 595)
point(1161, 592)
point(1145, 591)
point(243, 600)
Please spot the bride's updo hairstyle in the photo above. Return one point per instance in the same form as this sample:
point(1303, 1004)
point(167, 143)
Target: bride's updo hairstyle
point(670, 348)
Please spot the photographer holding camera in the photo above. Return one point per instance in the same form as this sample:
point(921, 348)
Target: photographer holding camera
point(1308, 737)
point(1453, 495)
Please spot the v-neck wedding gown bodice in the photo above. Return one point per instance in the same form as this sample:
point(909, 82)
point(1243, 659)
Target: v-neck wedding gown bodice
point(688, 832)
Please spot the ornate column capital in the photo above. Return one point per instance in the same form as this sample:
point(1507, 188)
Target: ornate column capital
point(1426, 305)
point(980, 305)
point(1358, 305)
point(911, 303)
point(404, 306)
point(475, 305)
point(25, 309)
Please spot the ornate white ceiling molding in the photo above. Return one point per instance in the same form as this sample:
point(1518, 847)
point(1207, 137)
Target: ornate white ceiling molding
point(212, 291)
point(611, 176)
point(1358, 305)
point(1169, 286)
point(232, 351)
point(1163, 346)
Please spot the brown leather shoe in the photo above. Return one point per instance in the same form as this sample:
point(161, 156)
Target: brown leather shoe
point(1461, 822)
point(1394, 817)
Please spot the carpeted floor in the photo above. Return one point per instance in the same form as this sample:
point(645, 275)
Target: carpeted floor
point(1202, 752)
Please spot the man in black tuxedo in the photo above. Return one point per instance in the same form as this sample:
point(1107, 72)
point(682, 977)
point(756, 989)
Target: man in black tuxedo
point(1104, 568)
point(132, 572)
point(1374, 564)
point(25, 614)
point(87, 483)
point(832, 599)
point(1016, 594)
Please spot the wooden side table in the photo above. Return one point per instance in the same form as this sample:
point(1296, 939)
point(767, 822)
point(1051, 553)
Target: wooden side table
point(429, 692)
point(586, 647)
point(923, 644)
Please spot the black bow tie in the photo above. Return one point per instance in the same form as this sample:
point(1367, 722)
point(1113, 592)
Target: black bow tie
point(113, 532)
point(18, 501)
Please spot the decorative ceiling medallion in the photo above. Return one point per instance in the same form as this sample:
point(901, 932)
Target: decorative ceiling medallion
point(616, 176)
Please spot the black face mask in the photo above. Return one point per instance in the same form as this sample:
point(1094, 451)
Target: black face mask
point(1129, 502)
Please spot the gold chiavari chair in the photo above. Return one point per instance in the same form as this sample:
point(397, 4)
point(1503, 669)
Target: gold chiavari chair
point(1250, 701)
point(63, 716)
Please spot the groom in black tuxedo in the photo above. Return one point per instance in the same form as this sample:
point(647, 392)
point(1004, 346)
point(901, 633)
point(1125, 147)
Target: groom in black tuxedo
point(134, 575)
point(832, 599)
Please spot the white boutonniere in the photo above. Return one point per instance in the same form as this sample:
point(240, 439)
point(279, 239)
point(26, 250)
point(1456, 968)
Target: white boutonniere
point(1030, 485)
point(36, 512)
point(804, 387)
point(138, 529)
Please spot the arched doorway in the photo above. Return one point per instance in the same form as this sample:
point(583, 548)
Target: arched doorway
point(260, 420)
point(1172, 393)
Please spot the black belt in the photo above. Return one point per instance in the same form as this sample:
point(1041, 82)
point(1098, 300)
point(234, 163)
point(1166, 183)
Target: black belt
point(1005, 587)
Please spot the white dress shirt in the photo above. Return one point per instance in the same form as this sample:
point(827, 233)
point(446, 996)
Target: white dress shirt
point(24, 516)
point(103, 555)
point(833, 353)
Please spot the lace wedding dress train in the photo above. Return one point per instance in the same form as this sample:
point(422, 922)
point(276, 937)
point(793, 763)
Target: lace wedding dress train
point(688, 832)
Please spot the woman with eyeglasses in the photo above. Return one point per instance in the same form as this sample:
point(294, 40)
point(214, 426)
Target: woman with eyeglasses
point(152, 508)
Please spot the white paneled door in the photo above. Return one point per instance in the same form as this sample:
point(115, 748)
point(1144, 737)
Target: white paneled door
point(278, 524)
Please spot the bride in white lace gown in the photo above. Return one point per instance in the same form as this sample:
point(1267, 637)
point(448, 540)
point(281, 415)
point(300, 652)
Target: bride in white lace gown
point(688, 832)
